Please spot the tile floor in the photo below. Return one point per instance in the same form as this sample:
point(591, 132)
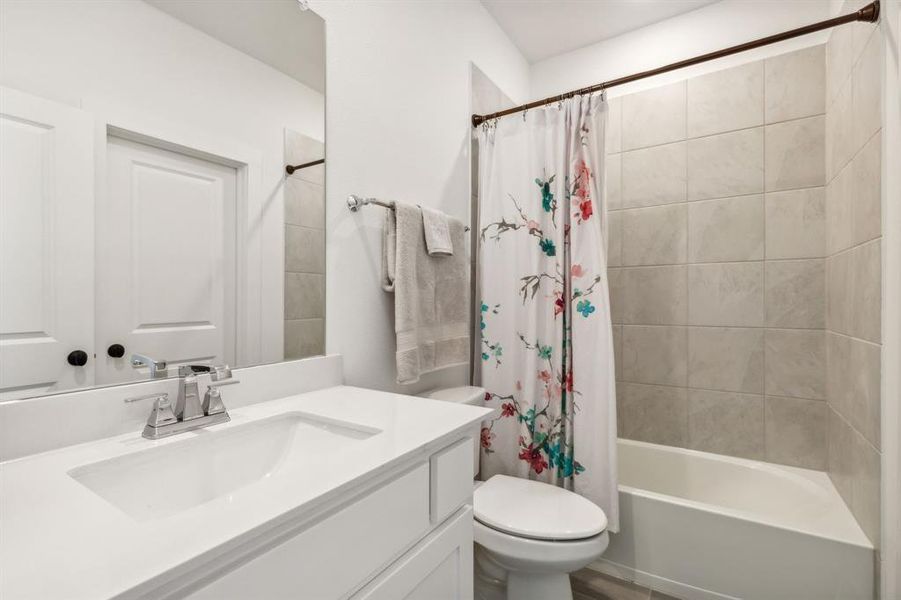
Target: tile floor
point(592, 585)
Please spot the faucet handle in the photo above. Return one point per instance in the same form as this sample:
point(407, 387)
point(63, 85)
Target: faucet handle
point(212, 402)
point(162, 412)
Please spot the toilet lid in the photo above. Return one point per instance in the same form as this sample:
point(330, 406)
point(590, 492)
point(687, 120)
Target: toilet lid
point(536, 510)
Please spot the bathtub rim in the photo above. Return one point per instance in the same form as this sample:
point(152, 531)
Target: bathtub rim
point(783, 471)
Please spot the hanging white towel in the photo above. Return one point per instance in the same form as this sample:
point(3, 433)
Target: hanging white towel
point(431, 295)
point(437, 233)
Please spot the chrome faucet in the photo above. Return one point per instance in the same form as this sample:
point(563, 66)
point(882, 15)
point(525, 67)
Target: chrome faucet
point(189, 412)
point(157, 367)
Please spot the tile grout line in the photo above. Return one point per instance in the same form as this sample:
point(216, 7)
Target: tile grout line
point(763, 192)
point(765, 269)
point(688, 435)
point(761, 395)
point(687, 138)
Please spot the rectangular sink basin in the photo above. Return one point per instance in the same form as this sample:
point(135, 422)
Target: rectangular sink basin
point(163, 481)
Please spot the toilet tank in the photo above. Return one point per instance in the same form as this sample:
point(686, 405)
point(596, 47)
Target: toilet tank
point(465, 394)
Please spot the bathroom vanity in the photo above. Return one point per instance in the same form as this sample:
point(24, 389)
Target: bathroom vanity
point(334, 493)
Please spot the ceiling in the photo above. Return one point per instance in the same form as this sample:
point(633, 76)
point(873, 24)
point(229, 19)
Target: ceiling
point(545, 28)
point(276, 32)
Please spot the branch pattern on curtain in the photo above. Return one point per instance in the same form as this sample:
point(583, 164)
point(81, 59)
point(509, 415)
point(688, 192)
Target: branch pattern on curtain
point(546, 335)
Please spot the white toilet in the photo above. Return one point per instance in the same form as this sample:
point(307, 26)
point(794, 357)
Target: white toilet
point(529, 535)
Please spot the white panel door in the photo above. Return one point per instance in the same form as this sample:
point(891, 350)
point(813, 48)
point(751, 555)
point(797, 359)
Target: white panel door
point(46, 245)
point(165, 260)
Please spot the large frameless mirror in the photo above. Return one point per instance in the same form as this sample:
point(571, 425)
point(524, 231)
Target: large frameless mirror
point(147, 217)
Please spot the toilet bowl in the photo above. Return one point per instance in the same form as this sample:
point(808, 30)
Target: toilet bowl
point(529, 535)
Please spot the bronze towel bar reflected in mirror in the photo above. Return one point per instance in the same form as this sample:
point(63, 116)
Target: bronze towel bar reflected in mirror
point(289, 169)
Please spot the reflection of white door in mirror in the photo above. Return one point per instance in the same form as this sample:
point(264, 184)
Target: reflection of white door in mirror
point(46, 246)
point(165, 260)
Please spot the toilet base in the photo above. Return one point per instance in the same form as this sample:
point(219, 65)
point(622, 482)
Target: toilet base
point(514, 568)
point(523, 586)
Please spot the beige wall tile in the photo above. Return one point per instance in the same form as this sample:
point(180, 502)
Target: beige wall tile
point(653, 176)
point(795, 154)
point(853, 383)
point(615, 289)
point(796, 432)
point(839, 461)
point(656, 355)
point(866, 291)
point(865, 396)
point(726, 100)
point(839, 131)
point(860, 32)
point(839, 206)
point(838, 292)
point(866, 174)
point(304, 203)
point(866, 487)
point(795, 293)
point(304, 338)
point(618, 350)
point(866, 89)
point(839, 58)
point(300, 149)
point(304, 296)
point(724, 165)
point(854, 467)
point(614, 181)
point(653, 413)
point(796, 363)
point(796, 224)
point(796, 84)
point(726, 358)
point(614, 129)
point(655, 236)
point(654, 295)
point(730, 229)
point(615, 238)
point(728, 294)
point(655, 116)
point(304, 249)
point(726, 423)
point(486, 96)
point(838, 368)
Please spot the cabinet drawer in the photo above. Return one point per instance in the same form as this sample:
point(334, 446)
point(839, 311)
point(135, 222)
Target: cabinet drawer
point(451, 475)
point(438, 568)
point(331, 558)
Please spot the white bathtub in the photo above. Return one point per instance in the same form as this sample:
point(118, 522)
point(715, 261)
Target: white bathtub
point(704, 526)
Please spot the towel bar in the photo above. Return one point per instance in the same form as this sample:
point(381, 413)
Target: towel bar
point(355, 203)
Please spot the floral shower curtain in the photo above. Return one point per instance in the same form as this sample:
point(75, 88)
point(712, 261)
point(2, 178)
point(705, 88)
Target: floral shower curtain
point(546, 337)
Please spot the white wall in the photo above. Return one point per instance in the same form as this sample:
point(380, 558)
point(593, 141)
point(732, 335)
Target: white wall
point(706, 29)
point(126, 57)
point(397, 116)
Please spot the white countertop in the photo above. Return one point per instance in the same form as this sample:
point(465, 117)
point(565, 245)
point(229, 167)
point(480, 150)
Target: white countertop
point(61, 540)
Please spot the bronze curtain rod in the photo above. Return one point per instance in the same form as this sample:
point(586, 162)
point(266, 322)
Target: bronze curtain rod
point(869, 14)
point(289, 169)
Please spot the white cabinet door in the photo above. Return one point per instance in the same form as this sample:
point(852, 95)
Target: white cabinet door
point(165, 260)
point(46, 245)
point(333, 557)
point(438, 568)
